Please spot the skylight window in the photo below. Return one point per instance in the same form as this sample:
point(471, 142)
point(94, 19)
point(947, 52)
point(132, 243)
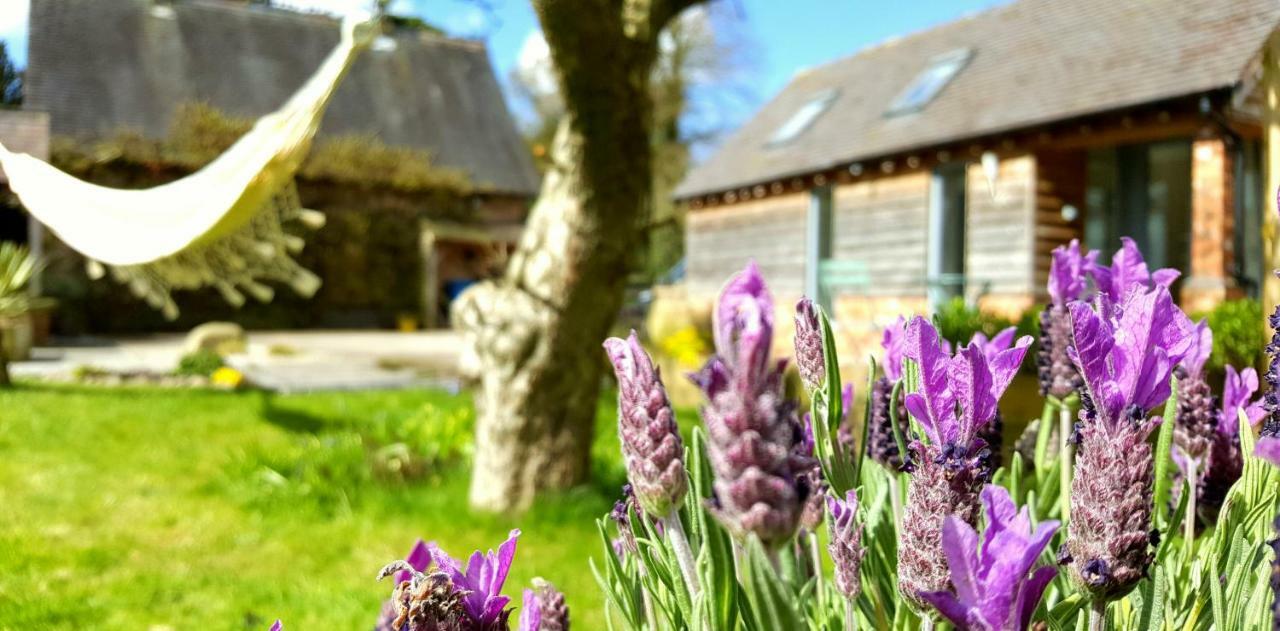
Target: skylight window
point(926, 86)
point(802, 118)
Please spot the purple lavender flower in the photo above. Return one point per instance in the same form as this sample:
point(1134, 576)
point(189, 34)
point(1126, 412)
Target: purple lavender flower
point(812, 514)
point(276, 627)
point(651, 444)
point(1224, 463)
point(544, 608)
point(1126, 356)
point(1271, 401)
point(992, 589)
point(808, 342)
point(993, 432)
point(1268, 448)
point(950, 469)
point(845, 546)
point(760, 485)
point(882, 447)
point(1197, 415)
point(1068, 279)
point(1128, 270)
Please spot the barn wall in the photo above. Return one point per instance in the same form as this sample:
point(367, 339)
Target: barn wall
point(1000, 235)
point(720, 241)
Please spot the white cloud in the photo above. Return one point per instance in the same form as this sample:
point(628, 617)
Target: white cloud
point(469, 21)
point(533, 65)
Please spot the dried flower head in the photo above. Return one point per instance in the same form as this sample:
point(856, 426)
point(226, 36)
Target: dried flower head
point(418, 560)
point(428, 602)
point(544, 608)
point(752, 431)
point(1126, 355)
point(845, 546)
point(808, 342)
point(651, 444)
point(994, 585)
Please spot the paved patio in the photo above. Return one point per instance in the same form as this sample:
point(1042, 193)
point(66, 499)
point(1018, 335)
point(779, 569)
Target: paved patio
point(284, 361)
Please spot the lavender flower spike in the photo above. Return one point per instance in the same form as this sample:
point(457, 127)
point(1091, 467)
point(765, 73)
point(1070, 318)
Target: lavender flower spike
point(950, 469)
point(1224, 463)
point(651, 444)
point(992, 589)
point(278, 626)
point(760, 484)
point(881, 444)
point(845, 545)
point(808, 341)
point(544, 608)
point(1126, 364)
point(1068, 278)
point(1197, 415)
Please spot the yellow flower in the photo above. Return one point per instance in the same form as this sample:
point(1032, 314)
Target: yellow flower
point(227, 377)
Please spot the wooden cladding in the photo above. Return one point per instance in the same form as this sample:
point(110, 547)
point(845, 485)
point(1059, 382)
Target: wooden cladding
point(770, 231)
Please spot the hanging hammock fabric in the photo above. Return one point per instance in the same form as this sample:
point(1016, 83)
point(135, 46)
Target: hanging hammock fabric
point(220, 226)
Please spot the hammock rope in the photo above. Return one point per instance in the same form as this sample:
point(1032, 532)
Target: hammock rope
point(222, 226)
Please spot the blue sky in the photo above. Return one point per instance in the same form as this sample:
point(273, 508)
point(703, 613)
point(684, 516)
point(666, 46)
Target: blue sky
point(785, 35)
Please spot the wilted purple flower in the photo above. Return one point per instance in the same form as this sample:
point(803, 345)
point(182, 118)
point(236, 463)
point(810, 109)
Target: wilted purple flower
point(651, 444)
point(949, 470)
point(1128, 270)
point(808, 341)
point(1126, 356)
point(992, 588)
point(752, 431)
point(544, 608)
point(418, 560)
point(845, 546)
point(993, 432)
point(428, 602)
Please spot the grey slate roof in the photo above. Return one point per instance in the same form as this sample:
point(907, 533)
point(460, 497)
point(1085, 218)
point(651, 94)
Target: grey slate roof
point(1034, 61)
point(99, 65)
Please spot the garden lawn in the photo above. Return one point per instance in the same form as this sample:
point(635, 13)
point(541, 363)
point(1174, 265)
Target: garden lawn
point(168, 509)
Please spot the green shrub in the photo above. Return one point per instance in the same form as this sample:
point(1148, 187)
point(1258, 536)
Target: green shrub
point(200, 363)
point(1238, 335)
point(957, 322)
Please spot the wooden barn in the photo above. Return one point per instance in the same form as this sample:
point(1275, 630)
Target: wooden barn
point(950, 162)
point(116, 82)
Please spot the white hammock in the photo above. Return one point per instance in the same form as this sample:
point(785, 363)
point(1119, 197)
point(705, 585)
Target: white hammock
point(146, 227)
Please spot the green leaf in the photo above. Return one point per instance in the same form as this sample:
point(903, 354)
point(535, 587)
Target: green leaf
point(1164, 458)
point(772, 607)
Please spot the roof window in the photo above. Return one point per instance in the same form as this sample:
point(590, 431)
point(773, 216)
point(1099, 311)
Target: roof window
point(926, 86)
point(802, 118)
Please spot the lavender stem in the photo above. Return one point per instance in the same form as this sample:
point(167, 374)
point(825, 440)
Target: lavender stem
point(684, 555)
point(1189, 521)
point(1098, 615)
point(816, 552)
point(850, 621)
point(895, 499)
point(1065, 449)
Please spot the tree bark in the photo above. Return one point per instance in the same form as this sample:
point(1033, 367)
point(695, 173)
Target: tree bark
point(5, 381)
point(535, 335)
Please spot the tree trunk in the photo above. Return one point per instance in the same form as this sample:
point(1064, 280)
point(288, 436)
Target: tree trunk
point(5, 381)
point(535, 335)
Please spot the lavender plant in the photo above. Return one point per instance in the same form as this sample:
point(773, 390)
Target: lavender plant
point(1126, 354)
point(949, 463)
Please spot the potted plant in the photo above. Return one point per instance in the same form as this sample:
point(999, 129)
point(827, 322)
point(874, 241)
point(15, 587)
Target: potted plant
point(16, 269)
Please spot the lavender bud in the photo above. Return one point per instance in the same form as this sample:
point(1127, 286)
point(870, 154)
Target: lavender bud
point(808, 341)
point(1058, 376)
point(1108, 542)
point(882, 447)
point(845, 533)
point(651, 444)
point(544, 608)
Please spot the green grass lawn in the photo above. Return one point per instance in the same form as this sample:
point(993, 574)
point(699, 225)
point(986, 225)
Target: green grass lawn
point(157, 509)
